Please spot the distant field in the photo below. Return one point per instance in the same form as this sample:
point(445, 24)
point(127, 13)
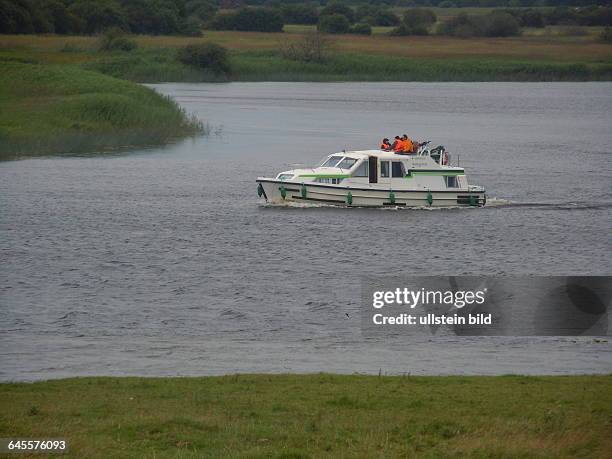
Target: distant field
point(536, 45)
point(308, 416)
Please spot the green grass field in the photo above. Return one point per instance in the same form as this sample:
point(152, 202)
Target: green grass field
point(302, 416)
point(65, 109)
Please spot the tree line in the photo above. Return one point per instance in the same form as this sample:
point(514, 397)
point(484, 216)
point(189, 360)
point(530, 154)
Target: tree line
point(188, 17)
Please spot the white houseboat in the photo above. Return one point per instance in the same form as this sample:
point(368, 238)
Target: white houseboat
point(377, 178)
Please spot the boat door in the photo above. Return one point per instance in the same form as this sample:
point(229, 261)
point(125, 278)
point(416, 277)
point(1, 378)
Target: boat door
point(373, 168)
point(385, 172)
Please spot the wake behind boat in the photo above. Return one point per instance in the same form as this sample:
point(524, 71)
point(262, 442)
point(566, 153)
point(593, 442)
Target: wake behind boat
point(377, 178)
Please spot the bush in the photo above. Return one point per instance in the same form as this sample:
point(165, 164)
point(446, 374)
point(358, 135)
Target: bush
point(447, 4)
point(361, 29)
point(114, 39)
point(415, 22)
point(531, 18)
point(461, 26)
point(314, 47)
point(606, 35)
point(495, 24)
point(249, 20)
point(334, 23)
point(420, 16)
point(500, 24)
point(339, 8)
point(386, 18)
point(206, 56)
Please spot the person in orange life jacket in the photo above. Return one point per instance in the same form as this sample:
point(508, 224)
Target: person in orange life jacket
point(385, 145)
point(398, 145)
point(407, 144)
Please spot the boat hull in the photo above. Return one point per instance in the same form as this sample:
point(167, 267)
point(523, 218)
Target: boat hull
point(276, 192)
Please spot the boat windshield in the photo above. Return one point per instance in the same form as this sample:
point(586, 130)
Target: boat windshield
point(332, 161)
point(346, 163)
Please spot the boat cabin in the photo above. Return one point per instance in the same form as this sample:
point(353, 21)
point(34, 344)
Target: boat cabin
point(385, 169)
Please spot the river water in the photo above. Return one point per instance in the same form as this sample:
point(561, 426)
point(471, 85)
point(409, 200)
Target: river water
point(162, 261)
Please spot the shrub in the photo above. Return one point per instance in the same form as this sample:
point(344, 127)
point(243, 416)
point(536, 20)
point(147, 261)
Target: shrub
point(339, 8)
point(420, 16)
point(249, 20)
point(532, 18)
point(386, 18)
point(361, 29)
point(606, 35)
point(495, 24)
point(446, 4)
point(114, 39)
point(415, 22)
point(500, 24)
point(206, 56)
point(334, 23)
point(462, 26)
point(314, 47)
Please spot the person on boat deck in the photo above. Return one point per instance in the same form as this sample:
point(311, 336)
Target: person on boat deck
point(398, 145)
point(385, 145)
point(408, 144)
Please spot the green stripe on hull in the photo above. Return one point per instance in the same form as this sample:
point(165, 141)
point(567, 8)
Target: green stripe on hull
point(411, 174)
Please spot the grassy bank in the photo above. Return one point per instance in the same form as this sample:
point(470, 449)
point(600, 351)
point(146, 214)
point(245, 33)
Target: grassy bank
point(302, 416)
point(65, 109)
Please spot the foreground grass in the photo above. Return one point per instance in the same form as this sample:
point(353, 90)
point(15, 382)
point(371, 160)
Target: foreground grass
point(302, 416)
point(64, 109)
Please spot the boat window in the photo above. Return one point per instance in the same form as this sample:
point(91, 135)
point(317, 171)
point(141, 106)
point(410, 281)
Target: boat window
point(333, 181)
point(346, 163)
point(332, 161)
point(362, 170)
point(451, 182)
point(285, 176)
point(384, 168)
point(397, 169)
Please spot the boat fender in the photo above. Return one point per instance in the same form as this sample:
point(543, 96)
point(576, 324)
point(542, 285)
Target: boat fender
point(283, 191)
point(444, 159)
point(391, 197)
point(349, 198)
point(303, 191)
point(429, 198)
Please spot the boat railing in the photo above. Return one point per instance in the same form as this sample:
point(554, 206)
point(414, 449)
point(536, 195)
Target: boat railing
point(438, 154)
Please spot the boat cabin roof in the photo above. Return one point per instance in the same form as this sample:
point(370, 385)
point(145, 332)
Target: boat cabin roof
point(361, 154)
